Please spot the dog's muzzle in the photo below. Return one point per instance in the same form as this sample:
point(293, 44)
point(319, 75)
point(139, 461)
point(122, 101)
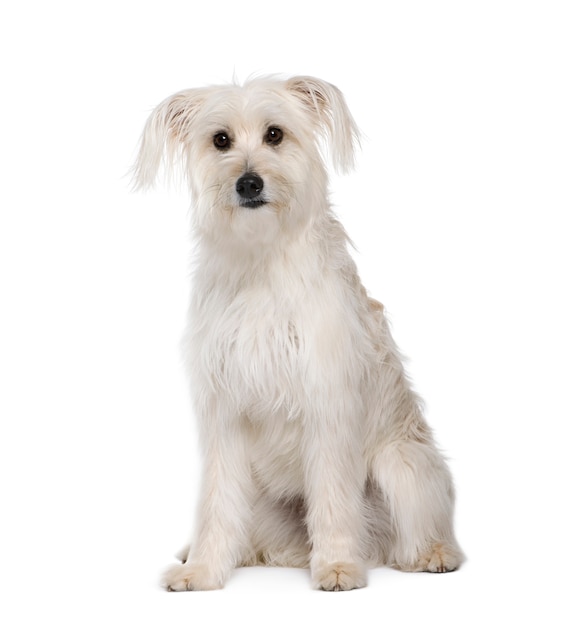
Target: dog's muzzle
point(249, 187)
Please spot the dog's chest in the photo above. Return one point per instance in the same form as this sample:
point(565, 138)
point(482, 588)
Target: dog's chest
point(260, 343)
point(253, 343)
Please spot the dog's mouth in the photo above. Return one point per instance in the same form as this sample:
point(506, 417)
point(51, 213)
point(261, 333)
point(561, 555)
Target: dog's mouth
point(252, 204)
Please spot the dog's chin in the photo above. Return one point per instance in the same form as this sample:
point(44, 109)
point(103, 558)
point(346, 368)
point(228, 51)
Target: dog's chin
point(254, 224)
point(248, 225)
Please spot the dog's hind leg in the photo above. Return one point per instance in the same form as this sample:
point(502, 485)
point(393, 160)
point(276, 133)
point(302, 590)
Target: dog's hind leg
point(418, 488)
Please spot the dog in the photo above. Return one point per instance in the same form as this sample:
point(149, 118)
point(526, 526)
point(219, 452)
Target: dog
point(316, 452)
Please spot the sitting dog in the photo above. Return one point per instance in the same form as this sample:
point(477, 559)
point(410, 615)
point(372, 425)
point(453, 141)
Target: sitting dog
point(316, 453)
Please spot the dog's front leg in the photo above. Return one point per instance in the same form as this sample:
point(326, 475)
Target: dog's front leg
point(334, 495)
point(224, 510)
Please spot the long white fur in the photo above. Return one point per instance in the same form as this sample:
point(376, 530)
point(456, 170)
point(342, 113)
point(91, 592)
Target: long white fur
point(316, 453)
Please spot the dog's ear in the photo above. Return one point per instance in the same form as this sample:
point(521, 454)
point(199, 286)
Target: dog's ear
point(326, 104)
point(164, 136)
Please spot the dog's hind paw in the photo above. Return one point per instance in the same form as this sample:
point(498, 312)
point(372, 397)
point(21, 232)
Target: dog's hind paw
point(190, 577)
point(339, 577)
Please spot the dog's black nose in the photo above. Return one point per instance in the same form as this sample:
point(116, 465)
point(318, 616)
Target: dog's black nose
point(249, 186)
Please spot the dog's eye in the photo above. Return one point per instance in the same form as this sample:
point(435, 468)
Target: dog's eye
point(222, 141)
point(273, 136)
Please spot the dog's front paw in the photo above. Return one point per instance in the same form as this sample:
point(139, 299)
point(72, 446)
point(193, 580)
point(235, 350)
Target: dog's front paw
point(439, 557)
point(190, 577)
point(442, 557)
point(339, 577)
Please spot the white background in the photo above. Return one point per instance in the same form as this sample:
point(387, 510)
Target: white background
point(462, 212)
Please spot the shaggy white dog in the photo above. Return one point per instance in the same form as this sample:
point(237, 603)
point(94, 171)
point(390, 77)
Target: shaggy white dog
point(316, 451)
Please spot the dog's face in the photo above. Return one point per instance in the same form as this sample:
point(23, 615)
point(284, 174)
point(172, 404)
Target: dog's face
point(251, 153)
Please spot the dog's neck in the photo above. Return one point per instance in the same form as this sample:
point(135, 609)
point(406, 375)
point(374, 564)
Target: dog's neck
point(321, 244)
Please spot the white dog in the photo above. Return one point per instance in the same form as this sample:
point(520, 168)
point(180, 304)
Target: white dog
point(316, 451)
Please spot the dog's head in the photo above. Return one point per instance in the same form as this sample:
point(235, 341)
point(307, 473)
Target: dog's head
point(252, 154)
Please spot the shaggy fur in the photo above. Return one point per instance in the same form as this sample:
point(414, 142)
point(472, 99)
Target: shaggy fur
point(316, 451)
